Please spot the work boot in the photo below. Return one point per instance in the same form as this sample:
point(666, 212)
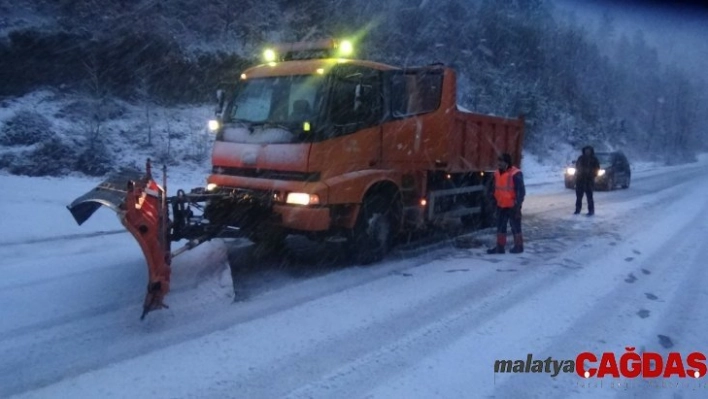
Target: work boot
point(577, 211)
point(496, 250)
point(518, 244)
point(591, 213)
point(501, 243)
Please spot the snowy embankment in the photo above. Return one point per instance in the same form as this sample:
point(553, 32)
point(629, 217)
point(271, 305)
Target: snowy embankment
point(428, 325)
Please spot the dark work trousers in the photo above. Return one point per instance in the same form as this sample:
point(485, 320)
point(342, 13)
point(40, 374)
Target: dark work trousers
point(584, 188)
point(506, 216)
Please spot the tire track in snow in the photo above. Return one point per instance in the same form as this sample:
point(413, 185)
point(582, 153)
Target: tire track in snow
point(422, 328)
point(66, 237)
point(375, 353)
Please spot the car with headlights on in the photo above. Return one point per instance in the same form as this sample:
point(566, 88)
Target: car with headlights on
point(615, 171)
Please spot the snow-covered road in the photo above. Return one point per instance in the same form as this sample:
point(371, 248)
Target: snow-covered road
point(426, 323)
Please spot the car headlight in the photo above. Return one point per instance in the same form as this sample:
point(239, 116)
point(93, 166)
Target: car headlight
point(302, 199)
point(601, 172)
point(213, 125)
point(570, 171)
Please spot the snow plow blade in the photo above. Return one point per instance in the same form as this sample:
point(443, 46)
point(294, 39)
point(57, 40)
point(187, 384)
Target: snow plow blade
point(141, 205)
point(111, 194)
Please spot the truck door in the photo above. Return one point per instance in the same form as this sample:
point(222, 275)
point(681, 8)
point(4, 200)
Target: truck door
point(351, 139)
point(413, 134)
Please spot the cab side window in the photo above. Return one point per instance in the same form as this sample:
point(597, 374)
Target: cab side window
point(415, 92)
point(355, 99)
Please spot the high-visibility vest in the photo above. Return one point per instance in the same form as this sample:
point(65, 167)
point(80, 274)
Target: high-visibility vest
point(504, 191)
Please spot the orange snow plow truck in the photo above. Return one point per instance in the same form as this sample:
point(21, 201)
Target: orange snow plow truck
point(315, 143)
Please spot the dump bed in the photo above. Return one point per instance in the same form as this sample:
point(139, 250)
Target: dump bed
point(475, 141)
point(447, 138)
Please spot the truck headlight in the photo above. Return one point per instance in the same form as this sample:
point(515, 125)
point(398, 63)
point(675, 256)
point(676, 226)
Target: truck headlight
point(601, 172)
point(570, 171)
point(269, 55)
point(213, 125)
point(302, 199)
point(346, 48)
point(211, 187)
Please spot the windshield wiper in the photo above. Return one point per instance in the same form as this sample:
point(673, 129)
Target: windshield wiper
point(269, 124)
point(244, 122)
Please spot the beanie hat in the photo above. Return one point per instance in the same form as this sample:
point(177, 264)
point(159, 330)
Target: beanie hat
point(506, 158)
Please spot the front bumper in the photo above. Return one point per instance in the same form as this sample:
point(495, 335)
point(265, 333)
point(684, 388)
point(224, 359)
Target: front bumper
point(261, 201)
point(302, 218)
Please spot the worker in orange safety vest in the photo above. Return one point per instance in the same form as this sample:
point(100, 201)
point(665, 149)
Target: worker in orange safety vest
point(509, 192)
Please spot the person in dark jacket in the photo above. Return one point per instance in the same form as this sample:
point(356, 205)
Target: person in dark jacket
point(509, 192)
point(586, 168)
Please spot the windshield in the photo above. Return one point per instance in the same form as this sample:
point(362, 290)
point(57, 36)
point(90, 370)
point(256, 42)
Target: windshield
point(273, 110)
point(605, 159)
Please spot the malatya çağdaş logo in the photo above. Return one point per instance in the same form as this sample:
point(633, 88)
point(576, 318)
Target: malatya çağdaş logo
point(628, 365)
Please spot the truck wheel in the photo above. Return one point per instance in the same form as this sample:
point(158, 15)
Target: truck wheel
point(372, 235)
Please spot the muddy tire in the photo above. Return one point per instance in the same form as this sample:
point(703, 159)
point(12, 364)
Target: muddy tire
point(372, 236)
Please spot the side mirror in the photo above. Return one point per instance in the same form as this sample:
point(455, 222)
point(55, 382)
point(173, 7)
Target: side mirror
point(219, 102)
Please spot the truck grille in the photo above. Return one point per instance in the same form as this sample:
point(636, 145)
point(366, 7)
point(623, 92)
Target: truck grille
point(267, 174)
